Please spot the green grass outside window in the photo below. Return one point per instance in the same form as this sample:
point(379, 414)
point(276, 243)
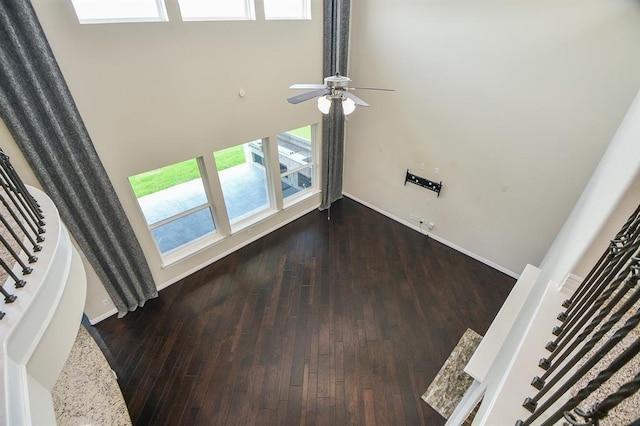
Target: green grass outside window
point(165, 177)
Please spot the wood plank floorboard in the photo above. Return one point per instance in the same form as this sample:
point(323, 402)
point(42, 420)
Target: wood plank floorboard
point(338, 322)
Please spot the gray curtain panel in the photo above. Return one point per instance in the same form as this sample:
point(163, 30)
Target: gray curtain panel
point(37, 107)
point(335, 56)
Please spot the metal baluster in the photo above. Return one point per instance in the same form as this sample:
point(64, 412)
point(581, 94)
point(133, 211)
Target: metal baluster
point(594, 384)
point(25, 269)
point(18, 240)
point(630, 282)
point(39, 237)
point(583, 288)
point(10, 174)
point(27, 215)
point(32, 258)
point(19, 283)
point(30, 221)
point(8, 298)
point(587, 284)
point(615, 260)
point(605, 272)
point(600, 410)
point(531, 403)
point(600, 292)
point(602, 298)
point(576, 320)
point(17, 199)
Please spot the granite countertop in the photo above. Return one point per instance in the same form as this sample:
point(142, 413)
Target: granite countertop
point(451, 382)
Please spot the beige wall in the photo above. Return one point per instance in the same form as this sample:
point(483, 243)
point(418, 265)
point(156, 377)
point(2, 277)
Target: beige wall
point(525, 94)
point(604, 195)
point(156, 93)
point(618, 217)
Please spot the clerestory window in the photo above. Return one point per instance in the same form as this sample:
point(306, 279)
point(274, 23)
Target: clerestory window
point(113, 11)
point(120, 11)
point(217, 10)
point(287, 9)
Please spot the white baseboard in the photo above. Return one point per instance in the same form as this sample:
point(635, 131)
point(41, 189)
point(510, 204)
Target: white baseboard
point(437, 238)
point(104, 316)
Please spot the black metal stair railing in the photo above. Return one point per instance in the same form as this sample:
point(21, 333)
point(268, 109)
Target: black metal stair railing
point(603, 312)
point(22, 224)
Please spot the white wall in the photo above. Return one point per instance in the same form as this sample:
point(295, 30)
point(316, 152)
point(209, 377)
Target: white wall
point(627, 205)
point(526, 94)
point(603, 198)
point(152, 94)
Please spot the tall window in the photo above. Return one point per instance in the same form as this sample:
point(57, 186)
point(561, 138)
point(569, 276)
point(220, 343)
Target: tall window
point(295, 154)
point(104, 11)
point(174, 204)
point(243, 178)
point(175, 199)
point(217, 10)
point(287, 9)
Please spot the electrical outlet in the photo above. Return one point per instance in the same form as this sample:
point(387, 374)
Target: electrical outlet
point(431, 225)
point(106, 302)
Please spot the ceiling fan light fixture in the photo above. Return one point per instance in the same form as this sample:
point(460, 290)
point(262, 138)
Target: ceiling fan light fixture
point(335, 88)
point(324, 104)
point(348, 106)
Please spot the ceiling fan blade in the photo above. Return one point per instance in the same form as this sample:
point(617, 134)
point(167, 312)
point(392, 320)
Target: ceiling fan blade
point(371, 88)
point(356, 99)
point(307, 86)
point(309, 95)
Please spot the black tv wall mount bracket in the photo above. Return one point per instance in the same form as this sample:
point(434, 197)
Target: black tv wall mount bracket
point(425, 183)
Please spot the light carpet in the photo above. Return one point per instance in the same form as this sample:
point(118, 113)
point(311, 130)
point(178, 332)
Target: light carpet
point(87, 392)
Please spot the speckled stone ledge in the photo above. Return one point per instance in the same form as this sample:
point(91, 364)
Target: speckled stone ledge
point(451, 382)
point(87, 392)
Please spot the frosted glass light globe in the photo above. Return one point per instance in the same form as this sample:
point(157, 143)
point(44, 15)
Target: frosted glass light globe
point(348, 106)
point(324, 104)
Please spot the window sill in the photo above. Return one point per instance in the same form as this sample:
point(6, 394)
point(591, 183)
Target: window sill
point(253, 220)
point(208, 241)
point(191, 249)
point(300, 197)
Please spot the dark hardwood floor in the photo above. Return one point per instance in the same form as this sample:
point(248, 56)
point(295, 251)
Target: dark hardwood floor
point(338, 322)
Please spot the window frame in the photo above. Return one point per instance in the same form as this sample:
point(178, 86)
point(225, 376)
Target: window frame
point(313, 165)
point(178, 253)
point(306, 10)
point(250, 14)
point(161, 17)
point(215, 201)
point(255, 216)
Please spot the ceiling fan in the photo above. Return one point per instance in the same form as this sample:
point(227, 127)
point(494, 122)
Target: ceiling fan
point(335, 87)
